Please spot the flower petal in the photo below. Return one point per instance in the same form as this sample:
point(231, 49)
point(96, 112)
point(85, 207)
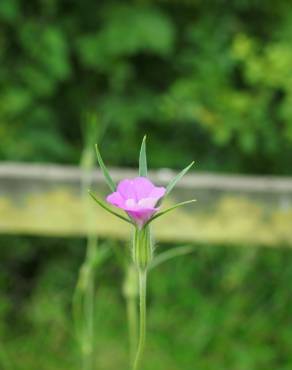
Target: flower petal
point(157, 192)
point(143, 187)
point(126, 189)
point(115, 199)
point(138, 198)
point(147, 203)
point(142, 215)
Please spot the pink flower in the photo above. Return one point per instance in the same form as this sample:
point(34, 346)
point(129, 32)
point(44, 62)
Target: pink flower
point(138, 197)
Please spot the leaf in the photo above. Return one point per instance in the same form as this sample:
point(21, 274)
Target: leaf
point(171, 253)
point(170, 209)
point(101, 257)
point(107, 208)
point(104, 170)
point(174, 181)
point(143, 159)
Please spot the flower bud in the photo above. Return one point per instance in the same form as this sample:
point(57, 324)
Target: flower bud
point(142, 250)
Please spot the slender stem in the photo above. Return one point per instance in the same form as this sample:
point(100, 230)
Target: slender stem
point(83, 306)
point(84, 295)
point(130, 292)
point(142, 334)
point(132, 325)
point(89, 306)
point(87, 295)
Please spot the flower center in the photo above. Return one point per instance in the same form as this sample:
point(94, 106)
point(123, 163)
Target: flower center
point(142, 203)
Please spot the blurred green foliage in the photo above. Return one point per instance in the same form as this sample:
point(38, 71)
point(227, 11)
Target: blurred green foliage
point(209, 80)
point(219, 308)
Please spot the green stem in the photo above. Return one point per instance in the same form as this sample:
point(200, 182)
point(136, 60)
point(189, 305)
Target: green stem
point(142, 334)
point(130, 291)
point(83, 305)
point(89, 306)
point(132, 325)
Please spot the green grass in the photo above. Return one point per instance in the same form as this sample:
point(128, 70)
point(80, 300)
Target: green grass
point(219, 308)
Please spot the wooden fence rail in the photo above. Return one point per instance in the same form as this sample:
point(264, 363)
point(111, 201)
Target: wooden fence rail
point(48, 200)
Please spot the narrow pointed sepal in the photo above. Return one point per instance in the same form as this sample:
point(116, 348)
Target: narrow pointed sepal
point(143, 159)
point(107, 208)
point(142, 251)
point(161, 213)
point(176, 179)
point(106, 174)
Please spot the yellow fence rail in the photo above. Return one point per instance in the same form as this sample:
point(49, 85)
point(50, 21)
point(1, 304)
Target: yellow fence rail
point(46, 200)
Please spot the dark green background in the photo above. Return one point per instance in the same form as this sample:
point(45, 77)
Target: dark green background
point(209, 80)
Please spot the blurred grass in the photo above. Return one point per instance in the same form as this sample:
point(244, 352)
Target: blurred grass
point(218, 308)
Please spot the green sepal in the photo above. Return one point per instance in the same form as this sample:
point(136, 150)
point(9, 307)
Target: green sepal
point(107, 208)
point(174, 181)
point(143, 159)
point(170, 209)
point(142, 250)
point(104, 170)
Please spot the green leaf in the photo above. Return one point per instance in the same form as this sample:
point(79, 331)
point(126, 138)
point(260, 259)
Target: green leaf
point(107, 208)
point(105, 172)
point(170, 209)
point(171, 253)
point(101, 257)
point(143, 159)
point(174, 181)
